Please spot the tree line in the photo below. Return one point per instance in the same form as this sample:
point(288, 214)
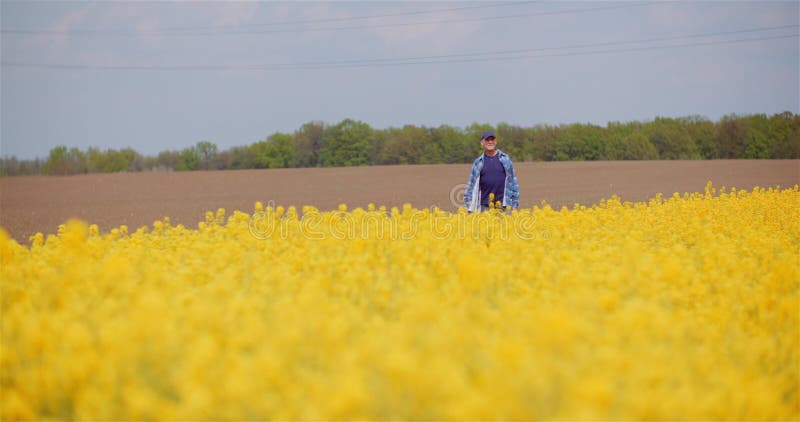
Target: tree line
point(355, 143)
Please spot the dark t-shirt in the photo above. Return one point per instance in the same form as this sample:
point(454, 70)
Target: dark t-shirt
point(493, 179)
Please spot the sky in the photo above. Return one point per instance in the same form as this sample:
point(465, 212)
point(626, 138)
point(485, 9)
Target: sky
point(157, 75)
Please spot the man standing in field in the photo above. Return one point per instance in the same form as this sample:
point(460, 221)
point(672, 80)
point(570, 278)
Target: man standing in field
point(492, 175)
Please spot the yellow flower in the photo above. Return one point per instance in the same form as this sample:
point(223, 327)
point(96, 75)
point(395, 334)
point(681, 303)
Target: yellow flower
point(672, 308)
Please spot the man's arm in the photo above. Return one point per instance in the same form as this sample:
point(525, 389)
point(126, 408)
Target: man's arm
point(469, 192)
point(514, 188)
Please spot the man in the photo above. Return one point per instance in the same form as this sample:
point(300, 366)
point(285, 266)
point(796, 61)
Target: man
point(492, 173)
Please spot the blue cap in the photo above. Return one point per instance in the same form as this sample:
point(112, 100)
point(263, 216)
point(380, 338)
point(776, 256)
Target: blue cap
point(487, 134)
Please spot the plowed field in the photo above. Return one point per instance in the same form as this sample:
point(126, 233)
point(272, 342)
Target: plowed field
point(40, 203)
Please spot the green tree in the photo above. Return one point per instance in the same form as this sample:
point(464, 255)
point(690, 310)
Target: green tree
point(12, 166)
point(207, 152)
point(731, 136)
point(148, 163)
point(638, 147)
point(757, 143)
point(543, 142)
point(132, 159)
point(276, 152)
point(432, 152)
point(76, 161)
point(784, 134)
point(352, 142)
point(452, 141)
point(579, 142)
point(614, 148)
point(513, 141)
point(94, 160)
point(114, 161)
point(671, 139)
point(393, 151)
point(9, 166)
point(346, 144)
point(188, 159)
point(701, 131)
point(57, 161)
point(409, 145)
point(168, 160)
point(307, 143)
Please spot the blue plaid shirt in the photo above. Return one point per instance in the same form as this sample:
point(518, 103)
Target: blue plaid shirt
point(472, 197)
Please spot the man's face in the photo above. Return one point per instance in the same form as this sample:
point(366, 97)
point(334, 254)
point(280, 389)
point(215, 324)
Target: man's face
point(489, 144)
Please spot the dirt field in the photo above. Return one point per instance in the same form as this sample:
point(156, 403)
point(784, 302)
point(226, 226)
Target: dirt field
point(40, 203)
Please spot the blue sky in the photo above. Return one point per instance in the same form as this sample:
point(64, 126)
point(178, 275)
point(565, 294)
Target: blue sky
point(165, 75)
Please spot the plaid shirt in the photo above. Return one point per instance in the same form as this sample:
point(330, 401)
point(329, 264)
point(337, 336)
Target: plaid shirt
point(472, 196)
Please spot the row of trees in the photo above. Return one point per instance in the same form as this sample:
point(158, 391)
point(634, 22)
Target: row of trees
point(355, 143)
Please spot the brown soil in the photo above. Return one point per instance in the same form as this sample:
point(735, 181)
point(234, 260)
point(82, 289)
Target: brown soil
point(40, 203)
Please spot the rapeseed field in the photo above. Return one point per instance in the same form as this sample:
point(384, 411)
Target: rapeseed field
point(682, 307)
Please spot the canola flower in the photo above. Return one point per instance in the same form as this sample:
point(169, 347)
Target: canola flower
point(680, 307)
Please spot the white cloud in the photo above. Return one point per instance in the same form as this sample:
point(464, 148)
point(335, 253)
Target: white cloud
point(58, 34)
point(319, 15)
point(232, 13)
point(429, 38)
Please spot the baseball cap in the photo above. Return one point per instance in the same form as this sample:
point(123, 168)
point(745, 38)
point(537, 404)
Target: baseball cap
point(487, 134)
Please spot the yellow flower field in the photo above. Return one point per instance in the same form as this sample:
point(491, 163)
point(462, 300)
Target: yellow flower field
point(683, 307)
